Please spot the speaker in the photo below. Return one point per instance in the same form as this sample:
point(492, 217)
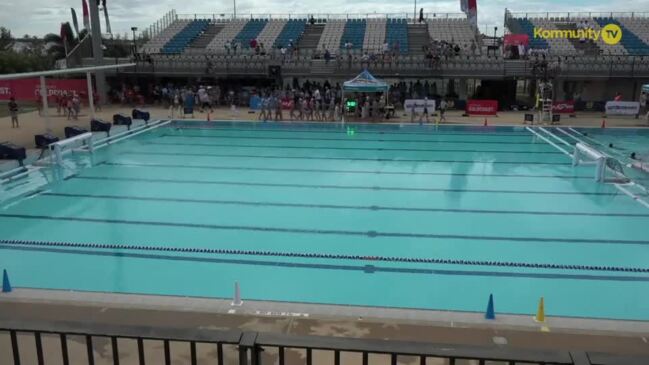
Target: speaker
point(275, 71)
point(529, 117)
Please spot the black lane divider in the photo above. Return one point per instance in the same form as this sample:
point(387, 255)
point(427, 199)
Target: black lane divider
point(343, 187)
point(349, 148)
point(112, 246)
point(345, 139)
point(371, 234)
point(487, 133)
point(377, 172)
point(208, 154)
point(317, 264)
point(340, 206)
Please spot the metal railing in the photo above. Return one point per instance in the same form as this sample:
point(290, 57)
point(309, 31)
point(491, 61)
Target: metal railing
point(318, 16)
point(577, 14)
point(110, 343)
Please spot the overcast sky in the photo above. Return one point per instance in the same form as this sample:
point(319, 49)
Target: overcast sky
point(38, 17)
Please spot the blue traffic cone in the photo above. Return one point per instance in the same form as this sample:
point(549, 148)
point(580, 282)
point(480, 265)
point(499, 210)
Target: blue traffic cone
point(6, 286)
point(490, 314)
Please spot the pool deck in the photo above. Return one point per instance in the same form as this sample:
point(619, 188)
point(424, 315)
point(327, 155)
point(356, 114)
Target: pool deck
point(52, 306)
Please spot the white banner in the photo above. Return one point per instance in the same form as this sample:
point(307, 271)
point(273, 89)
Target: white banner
point(419, 105)
point(622, 108)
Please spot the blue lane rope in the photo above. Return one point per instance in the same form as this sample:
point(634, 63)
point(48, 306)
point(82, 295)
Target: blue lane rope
point(326, 256)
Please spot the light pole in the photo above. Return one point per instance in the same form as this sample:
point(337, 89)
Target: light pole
point(134, 29)
point(235, 8)
point(415, 11)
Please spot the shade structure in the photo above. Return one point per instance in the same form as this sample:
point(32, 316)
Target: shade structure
point(366, 83)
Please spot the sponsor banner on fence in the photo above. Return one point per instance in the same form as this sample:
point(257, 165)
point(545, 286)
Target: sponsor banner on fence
point(419, 105)
point(482, 107)
point(622, 108)
point(28, 89)
point(563, 107)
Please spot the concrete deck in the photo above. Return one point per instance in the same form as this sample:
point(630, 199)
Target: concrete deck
point(621, 337)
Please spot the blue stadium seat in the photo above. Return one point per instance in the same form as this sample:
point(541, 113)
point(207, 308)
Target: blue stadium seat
point(528, 28)
point(292, 30)
point(354, 32)
point(633, 44)
point(180, 41)
point(397, 31)
point(250, 31)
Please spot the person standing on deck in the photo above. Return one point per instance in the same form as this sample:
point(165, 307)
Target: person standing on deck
point(13, 112)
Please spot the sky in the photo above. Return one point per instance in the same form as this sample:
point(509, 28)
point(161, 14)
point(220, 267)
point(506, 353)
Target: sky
point(39, 17)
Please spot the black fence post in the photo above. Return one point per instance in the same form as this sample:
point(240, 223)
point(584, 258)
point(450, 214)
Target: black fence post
point(115, 346)
point(140, 350)
point(91, 354)
point(219, 354)
point(192, 352)
point(64, 349)
point(14, 347)
point(167, 352)
point(39, 348)
point(281, 355)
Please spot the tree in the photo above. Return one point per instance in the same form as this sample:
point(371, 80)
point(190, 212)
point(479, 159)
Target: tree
point(5, 38)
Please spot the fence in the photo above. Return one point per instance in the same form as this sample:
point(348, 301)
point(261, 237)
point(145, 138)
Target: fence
point(219, 347)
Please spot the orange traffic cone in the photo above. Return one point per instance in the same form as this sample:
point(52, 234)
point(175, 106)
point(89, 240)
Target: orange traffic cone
point(603, 123)
point(486, 123)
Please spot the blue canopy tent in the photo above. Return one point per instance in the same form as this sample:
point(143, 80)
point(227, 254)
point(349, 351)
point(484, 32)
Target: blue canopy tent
point(364, 83)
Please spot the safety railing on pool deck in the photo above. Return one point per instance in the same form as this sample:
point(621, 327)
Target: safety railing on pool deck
point(25, 340)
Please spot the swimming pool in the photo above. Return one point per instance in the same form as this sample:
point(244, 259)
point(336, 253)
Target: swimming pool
point(413, 217)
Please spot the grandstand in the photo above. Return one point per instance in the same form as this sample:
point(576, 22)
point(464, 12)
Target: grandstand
point(635, 30)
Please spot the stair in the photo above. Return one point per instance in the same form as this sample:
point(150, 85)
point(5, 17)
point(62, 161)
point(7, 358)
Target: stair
point(311, 36)
point(206, 37)
point(418, 37)
point(320, 67)
point(587, 48)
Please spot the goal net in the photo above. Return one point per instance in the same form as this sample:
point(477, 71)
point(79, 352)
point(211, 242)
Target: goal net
point(607, 169)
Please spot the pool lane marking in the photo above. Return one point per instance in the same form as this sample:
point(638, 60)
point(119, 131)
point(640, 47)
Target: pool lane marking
point(67, 247)
point(347, 139)
point(343, 187)
point(339, 206)
point(377, 172)
point(207, 154)
point(338, 232)
point(345, 148)
point(342, 130)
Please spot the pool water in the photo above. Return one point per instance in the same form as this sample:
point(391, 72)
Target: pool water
point(494, 195)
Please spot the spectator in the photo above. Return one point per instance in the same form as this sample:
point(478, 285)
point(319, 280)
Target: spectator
point(442, 110)
point(327, 56)
point(618, 97)
point(13, 112)
point(643, 105)
point(421, 15)
point(253, 43)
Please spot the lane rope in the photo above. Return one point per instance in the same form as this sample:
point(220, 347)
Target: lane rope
point(220, 251)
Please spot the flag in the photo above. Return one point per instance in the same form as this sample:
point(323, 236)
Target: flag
point(106, 17)
point(470, 8)
point(75, 21)
point(86, 16)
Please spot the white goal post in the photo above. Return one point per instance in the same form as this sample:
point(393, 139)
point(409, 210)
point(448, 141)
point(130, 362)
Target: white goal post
point(58, 149)
point(587, 155)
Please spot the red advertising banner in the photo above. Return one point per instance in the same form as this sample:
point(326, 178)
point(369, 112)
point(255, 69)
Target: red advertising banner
point(482, 107)
point(28, 89)
point(516, 39)
point(563, 107)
